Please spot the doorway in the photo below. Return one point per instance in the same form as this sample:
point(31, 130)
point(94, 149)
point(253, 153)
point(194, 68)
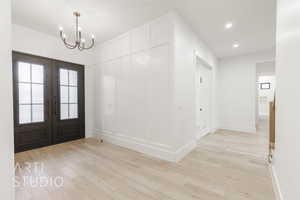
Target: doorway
point(265, 90)
point(203, 98)
point(48, 101)
point(266, 94)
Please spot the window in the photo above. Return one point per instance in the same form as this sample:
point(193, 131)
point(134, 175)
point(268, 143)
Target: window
point(265, 86)
point(68, 94)
point(31, 93)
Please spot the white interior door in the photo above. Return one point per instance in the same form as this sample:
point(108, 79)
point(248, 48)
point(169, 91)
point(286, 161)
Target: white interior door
point(203, 99)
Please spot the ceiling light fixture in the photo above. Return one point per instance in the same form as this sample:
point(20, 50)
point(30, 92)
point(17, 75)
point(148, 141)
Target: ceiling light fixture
point(80, 42)
point(236, 45)
point(228, 25)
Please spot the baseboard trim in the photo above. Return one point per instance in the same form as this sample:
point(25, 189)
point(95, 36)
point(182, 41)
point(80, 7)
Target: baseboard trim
point(155, 150)
point(275, 183)
point(202, 133)
point(185, 150)
point(242, 130)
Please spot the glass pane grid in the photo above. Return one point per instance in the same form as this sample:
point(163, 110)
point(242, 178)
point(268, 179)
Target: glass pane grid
point(31, 93)
point(68, 94)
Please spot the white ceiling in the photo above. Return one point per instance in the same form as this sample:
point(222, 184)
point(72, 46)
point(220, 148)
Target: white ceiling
point(254, 20)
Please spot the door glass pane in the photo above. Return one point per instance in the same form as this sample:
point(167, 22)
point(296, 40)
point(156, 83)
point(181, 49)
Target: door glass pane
point(37, 113)
point(24, 93)
point(37, 73)
point(37, 93)
point(73, 95)
point(72, 78)
point(64, 94)
point(68, 94)
point(73, 111)
point(24, 72)
point(64, 111)
point(24, 114)
point(63, 76)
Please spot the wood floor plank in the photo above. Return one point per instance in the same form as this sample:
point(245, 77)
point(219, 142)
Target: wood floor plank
point(225, 166)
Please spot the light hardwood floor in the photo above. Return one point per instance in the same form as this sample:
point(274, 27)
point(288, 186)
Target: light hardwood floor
point(100, 171)
point(252, 144)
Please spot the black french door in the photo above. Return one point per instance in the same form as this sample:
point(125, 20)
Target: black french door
point(48, 101)
point(68, 90)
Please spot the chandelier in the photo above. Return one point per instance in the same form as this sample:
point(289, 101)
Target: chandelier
point(80, 42)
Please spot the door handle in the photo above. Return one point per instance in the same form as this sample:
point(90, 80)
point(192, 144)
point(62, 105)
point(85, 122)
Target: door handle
point(201, 109)
point(47, 108)
point(55, 107)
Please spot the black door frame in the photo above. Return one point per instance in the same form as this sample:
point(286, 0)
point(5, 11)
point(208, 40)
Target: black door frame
point(51, 97)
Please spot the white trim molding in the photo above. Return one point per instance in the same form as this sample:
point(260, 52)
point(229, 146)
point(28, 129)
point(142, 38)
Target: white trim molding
point(275, 183)
point(237, 129)
point(155, 150)
point(185, 150)
point(202, 133)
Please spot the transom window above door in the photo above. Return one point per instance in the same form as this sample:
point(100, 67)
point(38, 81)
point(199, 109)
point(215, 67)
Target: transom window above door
point(30, 92)
point(68, 94)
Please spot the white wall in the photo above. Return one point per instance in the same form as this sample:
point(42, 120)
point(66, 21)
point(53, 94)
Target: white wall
point(30, 41)
point(237, 91)
point(287, 163)
point(265, 69)
point(142, 103)
point(6, 106)
point(186, 45)
point(134, 89)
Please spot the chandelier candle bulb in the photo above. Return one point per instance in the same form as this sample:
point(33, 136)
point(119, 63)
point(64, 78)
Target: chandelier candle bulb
point(229, 25)
point(236, 45)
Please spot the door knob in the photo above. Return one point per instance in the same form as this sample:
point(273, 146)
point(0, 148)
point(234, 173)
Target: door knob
point(200, 109)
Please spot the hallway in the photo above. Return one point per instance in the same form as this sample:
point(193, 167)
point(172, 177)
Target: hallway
point(252, 144)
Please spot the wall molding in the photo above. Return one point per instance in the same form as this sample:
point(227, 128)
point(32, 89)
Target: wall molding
point(275, 183)
point(203, 133)
point(185, 150)
point(152, 149)
point(238, 129)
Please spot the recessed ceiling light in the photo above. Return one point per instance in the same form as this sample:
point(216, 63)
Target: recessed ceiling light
point(228, 25)
point(236, 45)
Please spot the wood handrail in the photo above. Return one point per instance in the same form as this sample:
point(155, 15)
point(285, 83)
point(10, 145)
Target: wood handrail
point(271, 130)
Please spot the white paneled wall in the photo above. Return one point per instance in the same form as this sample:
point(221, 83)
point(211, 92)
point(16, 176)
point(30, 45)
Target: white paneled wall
point(135, 90)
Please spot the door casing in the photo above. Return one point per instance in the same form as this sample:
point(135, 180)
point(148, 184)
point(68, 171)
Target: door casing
point(203, 98)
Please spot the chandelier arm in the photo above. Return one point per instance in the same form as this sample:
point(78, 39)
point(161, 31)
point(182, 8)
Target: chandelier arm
point(69, 46)
point(91, 46)
point(81, 48)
